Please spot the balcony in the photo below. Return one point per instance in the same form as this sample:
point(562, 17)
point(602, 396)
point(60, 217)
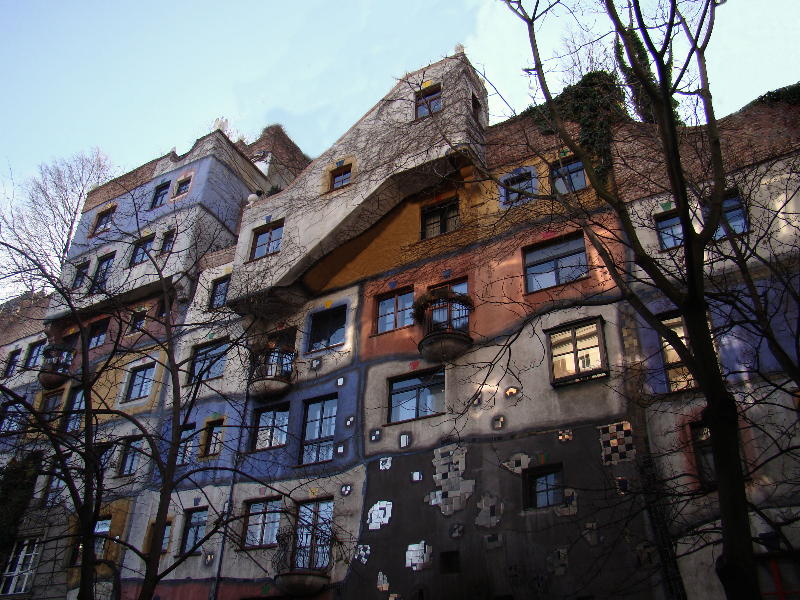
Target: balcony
point(445, 318)
point(57, 360)
point(272, 373)
point(302, 559)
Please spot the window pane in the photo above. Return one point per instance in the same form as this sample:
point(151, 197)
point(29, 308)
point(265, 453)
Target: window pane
point(670, 232)
point(572, 267)
point(275, 240)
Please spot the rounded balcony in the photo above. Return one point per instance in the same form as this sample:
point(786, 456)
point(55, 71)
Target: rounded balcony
point(302, 558)
point(56, 362)
point(446, 321)
point(272, 373)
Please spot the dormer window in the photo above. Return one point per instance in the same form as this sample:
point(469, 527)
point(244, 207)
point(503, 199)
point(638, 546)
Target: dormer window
point(340, 177)
point(429, 101)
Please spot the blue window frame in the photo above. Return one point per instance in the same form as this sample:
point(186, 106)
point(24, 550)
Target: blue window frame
point(520, 180)
point(141, 382)
point(734, 212)
point(34, 355)
point(141, 249)
point(429, 101)
point(81, 274)
point(670, 231)
point(555, 264)
point(219, 293)
point(104, 220)
point(569, 177)
point(101, 274)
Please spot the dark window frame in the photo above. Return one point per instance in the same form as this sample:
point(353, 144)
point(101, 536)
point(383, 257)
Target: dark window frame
point(720, 234)
point(567, 168)
point(578, 375)
point(137, 322)
point(427, 101)
point(101, 272)
point(321, 445)
point(180, 183)
point(272, 245)
point(186, 444)
point(12, 362)
point(141, 249)
point(428, 379)
point(81, 275)
point(665, 232)
point(686, 379)
point(129, 456)
point(449, 316)
point(269, 523)
point(96, 338)
point(548, 253)
point(167, 241)
point(74, 415)
point(442, 216)
point(160, 195)
point(189, 525)
point(133, 382)
point(554, 493)
point(703, 458)
point(217, 299)
point(210, 369)
point(213, 437)
point(341, 177)
point(395, 296)
point(35, 354)
point(310, 531)
point(509, 198)
point(274, 426)
point(103, 220)
point(322, 331)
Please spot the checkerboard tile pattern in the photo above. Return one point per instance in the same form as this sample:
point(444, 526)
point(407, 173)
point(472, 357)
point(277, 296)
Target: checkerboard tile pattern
point(616, 441)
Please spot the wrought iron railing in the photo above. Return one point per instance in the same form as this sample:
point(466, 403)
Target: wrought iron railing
point(306, 548)
point(57, 358)
point(275, 363)
point(447, 314)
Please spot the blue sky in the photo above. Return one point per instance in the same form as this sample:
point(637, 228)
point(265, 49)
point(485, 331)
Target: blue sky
point(137, 78)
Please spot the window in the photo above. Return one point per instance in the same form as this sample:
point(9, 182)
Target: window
point(141, 382)
point(327, 328)
point(521, 180)
point(81, 274)
point(340, 177)
point(50, 406)
point(104, 220)
point(14, 420)
point(165, 540)
point(34, 355)
point(186, 444)
point(318, 427)
point(670, 231)
point(213, 437)
point(477, 109)
point(703, 457)
point(183, 186)
point(577, 352)
point(75, 412)
point(219, 292)
point(270, 428)
point(161, 310)
point(141, 250)
point(267, 240)
point(137, 321)
point(313, 547)
point(569, 177)
point(194, 530)
point(167, 241)
point(55, 487)
point(450, 315)
point(101, 529)
point(97, 333)
point(449, 562)
point(18, 575)
point(733, 211)
point(160, 195)
point(263, 520)
point(208, 362)
point(543, 486)
point(416, 397)
point(130, 456)
point(778, 575)
point(678, 376)
point(11, 363)
point(429, 101)
point(555, 264)
point(101, 274)
point(439, 219)
point(395, 311)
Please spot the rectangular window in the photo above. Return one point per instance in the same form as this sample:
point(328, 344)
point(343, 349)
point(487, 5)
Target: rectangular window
point(34, 355)
point(50, 406)
point(521, 181)
point(167, 241)
point(450, 315)
point(429, 101)
point(212, 445)
point(395, 311)
point(270, 428)
point(160, 195)
point(194, 529)
point(678, 376)
point(11, 363)
point(101, 529)
point(577, 352)
point(327, 328)
point(340, 177)
point(543, 486)
point(14, 419)
point(55, 487)
point(208, 362)
point(141, 382)
point(137, 321)
point(703, 457)
point(104, 220)
point(186, 444)
point(18, 574)
point(267, 240)
point(440, 219)
point(165, 540)
point(670, 231)
point(733, 211)
point(318, 429)
point(416, 397)
point(101, 274)
point(263, 520)
point(219, 292)
point(183, 186)
point(97, 333)
point(81, 274)
point(141, 250)
point(76, 408)
point(130, 456)
point(555, 264)
point(569, 177)
point(314, 524)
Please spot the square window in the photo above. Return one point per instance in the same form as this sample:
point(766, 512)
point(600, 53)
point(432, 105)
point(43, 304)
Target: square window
point(186, 444)
point(340, 177)
point(429, 101)
point(130, 456)
point(543, 486)
point(219, 293)
point(34, 355)
point(137, 321)
point(678, 376)
point(555, 264)
point(104, 220)
point(327, 328)
point(141, 249)
point(270, 428)
point(11, 363)
point(18, 575)
point(81, 274)
point(183, 186)
point(670, 231)
point(319, 425)
point(97, 333)
point(101, 274)
point(263, 520)
point(577, 352)
point(141, 382)
point(267, 240)
point(703, 457)
point(734, 212)
point(194, 529)
point(440, 219)
point(167, 241)
point(212, 444)
point(395, 311)
point(160, 195)
point(313, 547)
point(208, 362)
point(516, 185)
point(415, 397)
point(448, 313)
point(569, 177)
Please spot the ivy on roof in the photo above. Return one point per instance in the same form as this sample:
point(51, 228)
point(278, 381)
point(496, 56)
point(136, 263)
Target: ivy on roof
point(789, 94)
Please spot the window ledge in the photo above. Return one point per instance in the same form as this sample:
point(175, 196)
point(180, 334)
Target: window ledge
point(251, 548)
point(253, 260)
point(204, 380)
point(438, 414)
point(558, 285)
point(325, 349)
point(255, 450)
point(313, 464)
point(582, 378)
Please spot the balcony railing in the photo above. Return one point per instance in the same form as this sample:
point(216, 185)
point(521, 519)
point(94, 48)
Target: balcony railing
point(446, 324)
point(272, 372)
point(57, 360)
point(302, 559)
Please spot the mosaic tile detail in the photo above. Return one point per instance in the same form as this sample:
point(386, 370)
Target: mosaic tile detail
point(570, 506)
point(419, 556)
point(616, 442)
point(456, 530)
point(340, 382)
point(416, 476)
point(379, 514)
point(350, 420)
point(590, 534)
point(558, 561)
point(493, 540)
point(362, 553)
point(405, 440)
point(565, 435)
point(449, 463)
point(490, 509)
point(386, 463)
point(375, 435)
point(511, 391)
point(517, 463)
point(383, 582)
point(346, 489)
point(498, 422)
